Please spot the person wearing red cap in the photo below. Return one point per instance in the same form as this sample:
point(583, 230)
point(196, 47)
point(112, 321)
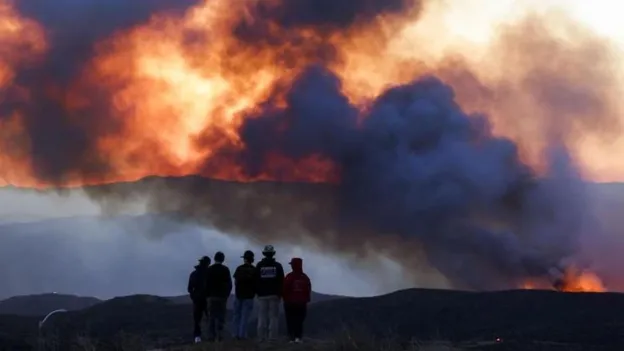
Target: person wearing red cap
point(297, 293)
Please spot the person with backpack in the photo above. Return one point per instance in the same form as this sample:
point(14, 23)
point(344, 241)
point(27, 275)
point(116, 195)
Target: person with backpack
point(197, 289)
point(297, 294)
point(219, 290)
point(245, 292)
point(269, 281)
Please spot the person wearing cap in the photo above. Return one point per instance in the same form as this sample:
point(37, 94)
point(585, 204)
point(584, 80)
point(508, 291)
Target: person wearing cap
point(269, 281)
point(198, 290)
point(297, 293)
point(219, 290)
point(245, 292)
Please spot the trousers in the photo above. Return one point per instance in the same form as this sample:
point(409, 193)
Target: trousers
point(216, 319)
point(199, 310)
point(242, 313)
point(268, 317)
point(295, 317)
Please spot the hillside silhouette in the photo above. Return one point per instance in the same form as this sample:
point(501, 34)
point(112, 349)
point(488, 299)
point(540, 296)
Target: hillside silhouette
point(592, 321)
point(41, 304)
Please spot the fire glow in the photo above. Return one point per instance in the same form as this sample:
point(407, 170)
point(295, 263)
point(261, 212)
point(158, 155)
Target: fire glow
point(572, 281)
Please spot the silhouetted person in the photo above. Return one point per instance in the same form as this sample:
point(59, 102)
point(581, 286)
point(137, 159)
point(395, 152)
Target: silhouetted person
point(245, 291)
point(219, 290)
point(198, 291)
point(297, 294)
point(269, 285)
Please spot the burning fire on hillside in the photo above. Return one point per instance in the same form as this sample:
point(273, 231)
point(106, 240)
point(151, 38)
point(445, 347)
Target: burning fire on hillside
point(418, 123)
point(571, 281)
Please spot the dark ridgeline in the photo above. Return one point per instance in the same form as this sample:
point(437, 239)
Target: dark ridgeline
point(578, 321)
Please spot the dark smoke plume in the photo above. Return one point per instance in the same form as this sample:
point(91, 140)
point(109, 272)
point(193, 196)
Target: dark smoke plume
point(418, 166)
point(280, 23)
point(324, 14)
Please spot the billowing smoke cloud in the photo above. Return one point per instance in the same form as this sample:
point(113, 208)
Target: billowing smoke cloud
point(413, 175)
point(75, 25)
point(323, 15)
point(418, 166)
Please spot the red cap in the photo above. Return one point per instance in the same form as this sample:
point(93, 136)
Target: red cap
point(295, 260)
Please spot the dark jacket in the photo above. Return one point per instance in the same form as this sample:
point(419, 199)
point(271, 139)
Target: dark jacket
point(297, 285)
point(219, 281)
point(245, 281)
point(269, 277)
point(198, 283)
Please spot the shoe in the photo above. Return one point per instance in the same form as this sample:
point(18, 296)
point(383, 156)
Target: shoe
point(197, 339)
point(297, 341)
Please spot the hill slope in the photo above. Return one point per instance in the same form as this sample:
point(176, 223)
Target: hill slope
point(592, 320)
point(580, 318)
point(40, 305)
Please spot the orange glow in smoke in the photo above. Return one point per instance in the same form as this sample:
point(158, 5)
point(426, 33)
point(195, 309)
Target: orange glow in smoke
point(178, 101)
point(572, 281)
point(22, 43)
point(585, 282)
point(193, 98)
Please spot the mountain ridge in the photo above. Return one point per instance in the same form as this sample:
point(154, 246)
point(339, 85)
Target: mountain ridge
point(38, 305)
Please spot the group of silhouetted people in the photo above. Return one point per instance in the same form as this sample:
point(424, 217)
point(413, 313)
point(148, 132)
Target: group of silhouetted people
point(210, 286)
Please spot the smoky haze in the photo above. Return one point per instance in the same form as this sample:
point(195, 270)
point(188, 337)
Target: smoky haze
point(51, 243)
point(418, 177)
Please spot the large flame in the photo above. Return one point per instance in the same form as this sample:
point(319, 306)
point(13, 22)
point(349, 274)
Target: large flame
point(573, 280)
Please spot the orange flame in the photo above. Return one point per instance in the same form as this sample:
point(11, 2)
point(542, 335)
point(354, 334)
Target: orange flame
point(573, 280)
point(583, 281)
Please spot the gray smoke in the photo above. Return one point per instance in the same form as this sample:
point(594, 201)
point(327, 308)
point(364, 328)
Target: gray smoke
point(420, 167)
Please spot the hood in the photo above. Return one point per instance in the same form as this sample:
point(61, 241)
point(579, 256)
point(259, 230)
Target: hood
point(296, 264)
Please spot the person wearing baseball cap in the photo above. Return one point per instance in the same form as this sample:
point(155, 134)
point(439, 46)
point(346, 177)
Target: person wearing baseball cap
point(198, 291)
point(245, 292)
point(269, 281)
